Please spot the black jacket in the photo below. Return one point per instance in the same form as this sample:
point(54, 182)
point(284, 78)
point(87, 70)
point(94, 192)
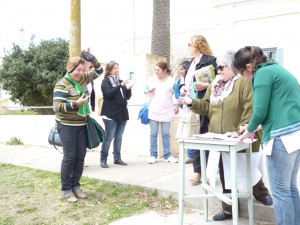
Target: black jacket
point(205, 60)
point(114, 105)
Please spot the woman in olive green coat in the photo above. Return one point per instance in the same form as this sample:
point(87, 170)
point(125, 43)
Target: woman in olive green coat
point(228, 104)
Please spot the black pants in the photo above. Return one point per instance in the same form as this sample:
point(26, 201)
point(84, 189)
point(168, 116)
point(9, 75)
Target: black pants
point(197, 162)
point(260, 191)
point(203, 129)
point(73, 139)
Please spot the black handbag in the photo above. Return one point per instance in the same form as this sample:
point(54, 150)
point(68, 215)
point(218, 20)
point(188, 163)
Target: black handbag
point(54, 139)
point(95, 133)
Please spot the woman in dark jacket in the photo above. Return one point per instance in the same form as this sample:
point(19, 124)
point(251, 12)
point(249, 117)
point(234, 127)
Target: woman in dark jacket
point(114, 112)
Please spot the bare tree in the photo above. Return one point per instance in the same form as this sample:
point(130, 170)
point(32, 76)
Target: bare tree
point(160, 41)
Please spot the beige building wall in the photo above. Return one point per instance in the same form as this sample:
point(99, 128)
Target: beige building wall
point(232, 24)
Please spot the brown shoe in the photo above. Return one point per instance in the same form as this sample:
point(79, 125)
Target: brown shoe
point(80, 194)
point(70, 197)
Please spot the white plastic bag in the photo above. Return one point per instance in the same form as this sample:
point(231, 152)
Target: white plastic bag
point(188, 125)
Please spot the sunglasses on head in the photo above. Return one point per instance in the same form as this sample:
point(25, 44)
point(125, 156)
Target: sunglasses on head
point(220, 67)
point(74, 68)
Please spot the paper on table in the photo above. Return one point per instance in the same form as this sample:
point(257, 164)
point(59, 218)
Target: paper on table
point(220, 137)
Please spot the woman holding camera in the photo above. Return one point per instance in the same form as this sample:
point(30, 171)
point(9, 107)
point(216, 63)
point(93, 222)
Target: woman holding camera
point(70, 104)
point(114, 112)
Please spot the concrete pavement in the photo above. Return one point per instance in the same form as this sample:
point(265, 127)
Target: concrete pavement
point(162, 176)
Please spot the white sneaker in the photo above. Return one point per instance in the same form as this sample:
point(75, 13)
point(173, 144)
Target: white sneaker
point(188, 160)
point(171, 159)
point(152, 160)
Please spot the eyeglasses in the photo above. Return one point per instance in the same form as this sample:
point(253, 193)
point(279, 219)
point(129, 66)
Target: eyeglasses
point(221, 68)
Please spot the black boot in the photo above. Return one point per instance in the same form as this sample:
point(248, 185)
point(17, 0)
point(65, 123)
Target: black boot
point(268, 201)
point(222, 216)
point(120, 162)
point(103, 164)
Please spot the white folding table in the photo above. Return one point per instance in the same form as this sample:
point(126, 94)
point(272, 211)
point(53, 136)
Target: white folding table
point(231, 147)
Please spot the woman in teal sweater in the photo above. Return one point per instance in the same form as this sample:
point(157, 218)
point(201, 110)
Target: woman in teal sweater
point(276, 107)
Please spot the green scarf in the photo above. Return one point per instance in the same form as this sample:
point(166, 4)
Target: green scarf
point(84, 109)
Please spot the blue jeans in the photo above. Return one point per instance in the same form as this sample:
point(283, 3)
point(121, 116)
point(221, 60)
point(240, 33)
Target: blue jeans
point(190, 153)
point(73, 139)
point(114, 130)
point(165, 132)
point(283, 169)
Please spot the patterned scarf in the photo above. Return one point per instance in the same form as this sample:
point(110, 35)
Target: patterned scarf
point(221, 89)
point(84, 109)
point(115, 81)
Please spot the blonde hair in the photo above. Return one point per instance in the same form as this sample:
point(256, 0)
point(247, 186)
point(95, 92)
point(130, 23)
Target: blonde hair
point(74, 62)
point(199, 42)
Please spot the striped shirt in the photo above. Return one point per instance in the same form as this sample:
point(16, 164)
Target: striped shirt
point(64, 94)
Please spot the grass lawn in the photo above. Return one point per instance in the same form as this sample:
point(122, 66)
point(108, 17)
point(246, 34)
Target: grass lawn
point(32, 196)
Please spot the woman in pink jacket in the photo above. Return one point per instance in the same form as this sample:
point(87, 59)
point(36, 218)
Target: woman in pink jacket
point(161, 110)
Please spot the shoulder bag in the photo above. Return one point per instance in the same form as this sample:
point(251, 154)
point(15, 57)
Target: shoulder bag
point(95, 133)
point(54, 139)
point(143, 113)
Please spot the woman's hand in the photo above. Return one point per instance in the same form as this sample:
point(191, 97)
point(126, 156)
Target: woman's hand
point(129, 85)
point(185, 100)
point(231, 134)
point(201, 86)
point(125, 82)
point(82, 100)
point(89, 57)
point(245, 135)
point(148, 91)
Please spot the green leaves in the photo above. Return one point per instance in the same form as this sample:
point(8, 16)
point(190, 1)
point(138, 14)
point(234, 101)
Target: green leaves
point(30, 75)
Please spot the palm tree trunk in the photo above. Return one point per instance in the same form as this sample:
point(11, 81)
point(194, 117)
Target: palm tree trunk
point(160, 41)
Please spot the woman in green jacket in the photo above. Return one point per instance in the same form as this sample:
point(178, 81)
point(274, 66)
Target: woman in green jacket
point(228, 104)
point(276, 107)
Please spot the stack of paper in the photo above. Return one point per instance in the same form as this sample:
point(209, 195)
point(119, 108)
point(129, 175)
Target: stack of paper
point(220, 137)
point(214, 136)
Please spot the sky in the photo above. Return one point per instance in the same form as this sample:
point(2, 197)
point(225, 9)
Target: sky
point(105, 25)
point(43, 18)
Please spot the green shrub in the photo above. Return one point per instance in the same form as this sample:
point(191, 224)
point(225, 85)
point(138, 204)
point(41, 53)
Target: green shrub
point(14, 141)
